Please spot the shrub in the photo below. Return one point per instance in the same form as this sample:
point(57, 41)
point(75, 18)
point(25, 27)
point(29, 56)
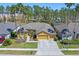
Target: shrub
point(66, 41)
point(13, 35)
point(7, 42)
point(56, 38)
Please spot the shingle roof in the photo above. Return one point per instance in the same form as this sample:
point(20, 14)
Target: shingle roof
point(5, 26)
point(71, 26)
point(60, 27)
point(39, 27)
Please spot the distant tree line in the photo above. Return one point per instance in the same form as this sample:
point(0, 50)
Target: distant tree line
point(40, 14)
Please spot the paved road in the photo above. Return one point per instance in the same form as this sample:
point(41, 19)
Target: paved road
point(48, 48)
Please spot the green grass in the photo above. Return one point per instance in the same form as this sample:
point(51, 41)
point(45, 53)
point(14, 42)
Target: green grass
point(67, 46)
point(71, 46)
point(59, 44)
point(14, 52)
point(21, 45)
point(71, 52)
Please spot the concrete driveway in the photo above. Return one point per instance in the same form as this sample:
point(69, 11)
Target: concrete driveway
point(48, 48)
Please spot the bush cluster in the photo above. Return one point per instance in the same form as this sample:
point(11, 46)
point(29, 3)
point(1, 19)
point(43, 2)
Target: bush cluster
point(13, 35)
point(7, 42)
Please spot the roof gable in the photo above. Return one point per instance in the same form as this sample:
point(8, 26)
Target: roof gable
point(39, 27)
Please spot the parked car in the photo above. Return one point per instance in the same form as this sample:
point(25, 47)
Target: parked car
point(2, 38)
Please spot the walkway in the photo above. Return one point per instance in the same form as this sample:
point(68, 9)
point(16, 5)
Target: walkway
point(48, 48)
point(26, 49)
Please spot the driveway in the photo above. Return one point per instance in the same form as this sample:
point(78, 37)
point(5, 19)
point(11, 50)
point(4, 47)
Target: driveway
point(48, 48)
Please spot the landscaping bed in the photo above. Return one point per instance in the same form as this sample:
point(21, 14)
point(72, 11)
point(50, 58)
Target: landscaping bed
point(14, 52)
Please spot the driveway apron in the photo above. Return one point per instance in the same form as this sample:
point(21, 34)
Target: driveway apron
point(48, 48)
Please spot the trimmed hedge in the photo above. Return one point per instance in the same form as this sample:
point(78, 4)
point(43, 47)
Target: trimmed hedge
point(75, 41)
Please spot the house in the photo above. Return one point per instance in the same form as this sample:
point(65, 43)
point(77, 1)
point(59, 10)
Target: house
point(74, 28)
point(66, 34)
point(39, 31)
point(63, 31)
point(5, 29)
point(70, 31)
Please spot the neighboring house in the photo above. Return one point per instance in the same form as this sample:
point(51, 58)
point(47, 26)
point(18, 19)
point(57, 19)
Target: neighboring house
point(66, 34)
point(63, 31)
point(40, 31)
point(74, 28)
point(71, 31)
point(5, 29)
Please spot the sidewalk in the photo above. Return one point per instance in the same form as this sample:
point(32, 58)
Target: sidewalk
point(27, 49)
point(72, 49)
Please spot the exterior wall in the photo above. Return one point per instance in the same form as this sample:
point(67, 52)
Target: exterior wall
point(77, 36)
point(25, 35)
point(8, 36)
point(69, 38)
point(19, 35)
point(44, 36)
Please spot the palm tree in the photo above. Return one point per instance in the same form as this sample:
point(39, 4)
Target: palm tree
point(37, 12)
point(13, 13)
point(7, 9)
point(77, 11)
point(28, 12)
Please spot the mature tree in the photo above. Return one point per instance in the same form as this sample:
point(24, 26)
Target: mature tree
point(69, 5)
point(77, 11)
point(37, 12)
point(1, 12)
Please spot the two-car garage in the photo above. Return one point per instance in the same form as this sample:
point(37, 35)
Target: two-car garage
point(44, 36)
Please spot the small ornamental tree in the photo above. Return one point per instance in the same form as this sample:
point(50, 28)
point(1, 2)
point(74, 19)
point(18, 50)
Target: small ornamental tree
point(13, 35)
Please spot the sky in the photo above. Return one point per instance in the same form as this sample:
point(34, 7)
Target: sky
point(53, 6)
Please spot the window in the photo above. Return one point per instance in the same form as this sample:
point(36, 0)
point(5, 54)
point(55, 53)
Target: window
point(50, 30)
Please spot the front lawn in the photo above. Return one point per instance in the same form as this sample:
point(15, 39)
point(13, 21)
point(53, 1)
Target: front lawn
point(14, 52)
point(21, 45)
point(60, 45)
point(71, 52)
